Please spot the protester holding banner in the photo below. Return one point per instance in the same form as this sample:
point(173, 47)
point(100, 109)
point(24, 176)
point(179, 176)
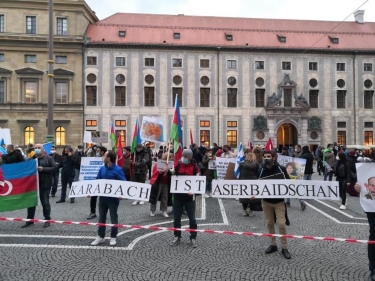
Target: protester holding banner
point(140, 166)
point(67, 173)
point(12, 156)
point(46, 168)
point(112, 172)
point(187, 167)
point(343, 176)
point(55, 177)
point(210, 174)
point(270, 169)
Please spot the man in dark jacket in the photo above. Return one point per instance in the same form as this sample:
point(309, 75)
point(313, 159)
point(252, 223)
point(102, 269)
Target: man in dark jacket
point(46, 168)
point(269, 168)
point(67, 173)
point(58, 160)
point(78, 154)
point(319, 159)
point(197, 155)
point(126, 166)
point(306, 154)
point(13, 156)
point(141, 160)
point(210, 174)
point(149, 164)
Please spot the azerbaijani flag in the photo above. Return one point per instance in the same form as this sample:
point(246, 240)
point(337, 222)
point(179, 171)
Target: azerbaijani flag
point(136, 136)
point(176, 133)
point(113, 137)
point(120, 153)
point(20, 189)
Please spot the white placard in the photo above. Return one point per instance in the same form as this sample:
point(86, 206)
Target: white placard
point(5, 134)
point(212, 165)
point(111, 188)
point(222, 166)
point(366, 178)
point(153, 129)
point(90, 167)
point(87, 137)
point(161, 163)
point(186, 184)
point(301, 189)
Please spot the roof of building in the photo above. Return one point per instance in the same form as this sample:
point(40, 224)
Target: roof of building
point(152, 29)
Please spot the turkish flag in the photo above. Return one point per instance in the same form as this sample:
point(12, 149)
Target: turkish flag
point(269, 145)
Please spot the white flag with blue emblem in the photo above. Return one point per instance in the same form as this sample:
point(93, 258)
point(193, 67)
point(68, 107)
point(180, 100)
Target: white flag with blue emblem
point(240, 158)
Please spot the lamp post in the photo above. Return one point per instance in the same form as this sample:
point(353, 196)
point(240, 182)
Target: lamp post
point(50, 135)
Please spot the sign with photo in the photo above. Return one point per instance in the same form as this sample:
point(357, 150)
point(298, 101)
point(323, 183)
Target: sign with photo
point(295, 167)
point(99, 137)
point(366, 178)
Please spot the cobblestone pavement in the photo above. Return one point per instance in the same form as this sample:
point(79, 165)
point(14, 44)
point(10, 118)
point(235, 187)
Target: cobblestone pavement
point(62, 252)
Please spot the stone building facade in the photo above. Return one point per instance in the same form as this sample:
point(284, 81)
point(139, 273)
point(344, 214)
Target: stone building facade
point(23, 69)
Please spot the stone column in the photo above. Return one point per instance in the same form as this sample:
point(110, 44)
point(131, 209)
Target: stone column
point(40, 91)
point(19, 90)
point(7, 91)
point(70, 91)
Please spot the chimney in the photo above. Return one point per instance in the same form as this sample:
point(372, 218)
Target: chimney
point(358, 15)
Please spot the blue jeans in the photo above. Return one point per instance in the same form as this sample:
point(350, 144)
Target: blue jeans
point(64, 183)
point(326, 174)
point(44, 199)
point(178, 207)
point(208, 185)
point(307, 177)
point(55, 182)
point(103, 210)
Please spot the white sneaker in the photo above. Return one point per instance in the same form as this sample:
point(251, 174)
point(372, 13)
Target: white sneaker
point(135, 203)
point(210, 194)
point(98, 241)
point(152, 214)
point(236, 199)
point(164, 214)
point(112, 242)
point(142, 203)
point(206, 195)
point(342, 207)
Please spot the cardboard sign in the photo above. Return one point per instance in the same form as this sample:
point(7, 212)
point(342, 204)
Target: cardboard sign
point(90, 167)
point(161, 163)
point(186, 184)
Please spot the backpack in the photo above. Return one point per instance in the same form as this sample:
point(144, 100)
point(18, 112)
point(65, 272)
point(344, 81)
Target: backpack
point(195, 169)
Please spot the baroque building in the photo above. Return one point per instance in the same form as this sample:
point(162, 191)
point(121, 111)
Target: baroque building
point(237, 79)
point(23, 69)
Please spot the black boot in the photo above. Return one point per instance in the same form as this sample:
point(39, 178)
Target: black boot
point(28, 223)
point(286, 254)
point(271, 249)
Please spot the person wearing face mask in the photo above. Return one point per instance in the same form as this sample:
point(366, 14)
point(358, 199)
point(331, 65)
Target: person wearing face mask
point(67, 173)
point(46, 169)
point(329, 160)
point(78, 154)
point(273, 206)
point(227, 153)
point(55, 177)
point(203, 149)
point(298, 151)
point(141, 160)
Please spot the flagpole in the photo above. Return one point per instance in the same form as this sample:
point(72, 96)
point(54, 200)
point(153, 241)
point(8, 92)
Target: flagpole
point(168, 152)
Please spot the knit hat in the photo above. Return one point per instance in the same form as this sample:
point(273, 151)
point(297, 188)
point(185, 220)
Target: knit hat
point(188, 153)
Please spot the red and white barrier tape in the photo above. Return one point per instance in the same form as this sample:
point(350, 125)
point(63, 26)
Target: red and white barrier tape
point(244, 233)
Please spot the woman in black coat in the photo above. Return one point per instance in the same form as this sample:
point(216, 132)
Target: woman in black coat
point(352, 160)
point(343, 176)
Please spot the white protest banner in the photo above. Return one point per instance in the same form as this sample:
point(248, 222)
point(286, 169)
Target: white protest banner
point(222, 166)
point(153, 129)
point(212, 165)
point(111, 188)
point(161, 163)
point(366, 178)
point(87, 137)
point(5, 135)
point(301, 189)
point(186, 184)
point(90, 167)
point(295, 167)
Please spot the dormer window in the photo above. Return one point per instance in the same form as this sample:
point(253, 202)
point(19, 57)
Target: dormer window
point(229, 37)
point(176, 35)
point(334, 40)
point(282, 38)
point(121, 34)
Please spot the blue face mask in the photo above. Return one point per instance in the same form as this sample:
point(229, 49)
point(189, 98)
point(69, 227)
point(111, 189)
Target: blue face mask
point(185, 161)
point(97, 154)
point(38, 151)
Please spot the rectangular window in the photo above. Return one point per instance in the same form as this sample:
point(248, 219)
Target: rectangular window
point(205, 137)
point(259, 64)
point(31, 25)
point(288, 100)
point(204, 97)
point(91, 123)
point(232, 97)
point(62, 26)
point(2, 23)
point(120, 96)
point(149, 62)
point(369, 99)
point(204, 123)
point(120, 123)
point(286, 65)
point(232, 138)
point(341, 137)
point(205, 63)
point(121, 33)
point(369, 138)
point(340, 66)
point(313, 66)
point(176, 35)
point(369, 124)
point(314, 98)
point(178, 92)
point(367, 67)
point(231, 124)
point(61, 59)
point(341, 124)
point(120, 61)
point(30, 93)
point(2, 58)
point(61, 92)
point(232, 64)
point(176, 62)
point(149, 96)
point(30, 58)
point(259, 97)
point(91, 60)
point(341, 97)
point(2, 92)
point(91, 95)
point(123, 136)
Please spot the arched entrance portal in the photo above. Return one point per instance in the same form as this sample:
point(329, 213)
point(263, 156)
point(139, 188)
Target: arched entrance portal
point(287, 134)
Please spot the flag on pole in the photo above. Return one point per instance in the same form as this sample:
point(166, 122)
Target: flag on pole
point(176, 133)
point(2, 142)
point(240, 158)
point(136, 136)
point(120, 153)
point(47, 147)
point(113, 137)
point(191, 138)
point(20, 188)
point(269, 145)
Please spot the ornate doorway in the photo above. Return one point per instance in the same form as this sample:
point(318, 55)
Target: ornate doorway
point(287, 135)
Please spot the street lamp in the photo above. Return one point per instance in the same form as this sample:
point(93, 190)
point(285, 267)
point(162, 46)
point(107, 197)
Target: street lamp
point(50, 135)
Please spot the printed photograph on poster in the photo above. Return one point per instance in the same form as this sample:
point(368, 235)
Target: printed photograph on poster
point(295, 167)
point(99, 137)
point(366, 178)
point(152, 129)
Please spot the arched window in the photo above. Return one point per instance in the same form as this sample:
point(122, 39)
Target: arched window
point(60, 136)
point(28, 135)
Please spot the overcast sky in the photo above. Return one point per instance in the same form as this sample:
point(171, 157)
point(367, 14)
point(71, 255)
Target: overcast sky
point(335, 10)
